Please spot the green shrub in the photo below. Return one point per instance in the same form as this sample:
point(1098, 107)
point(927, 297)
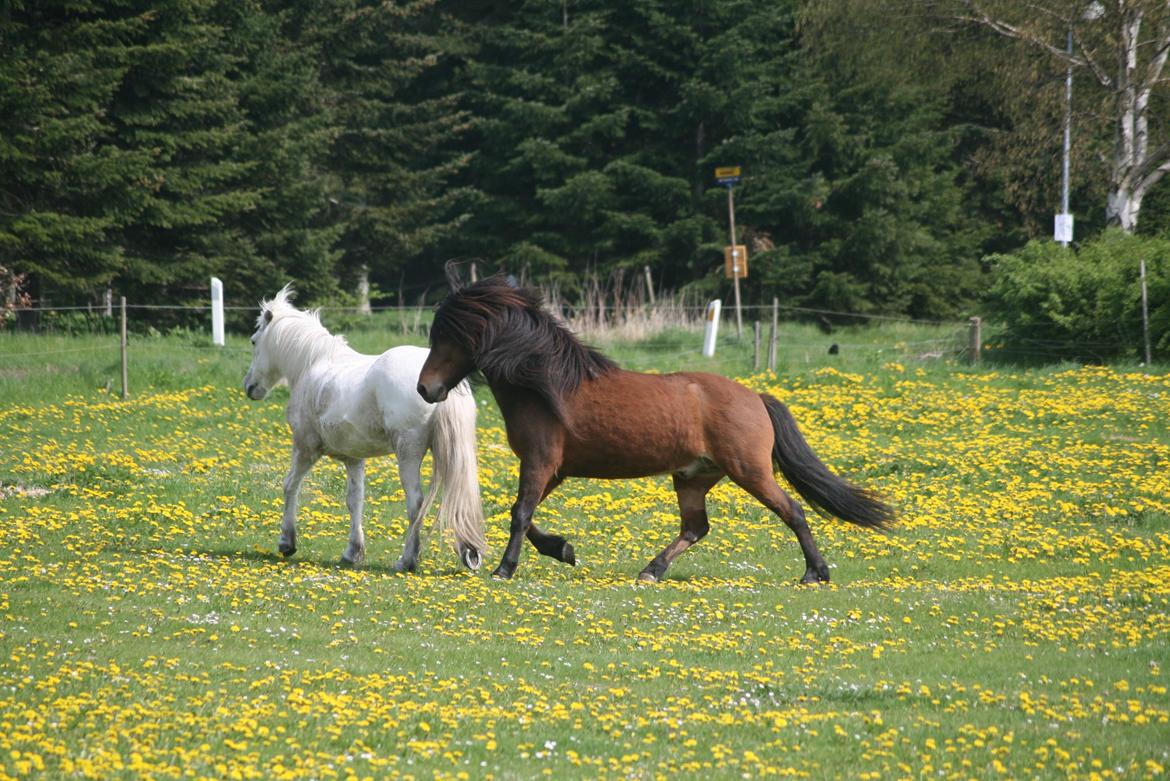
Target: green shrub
point(1081, 303)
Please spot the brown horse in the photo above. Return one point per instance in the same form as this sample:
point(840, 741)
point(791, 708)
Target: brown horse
point(571, 412)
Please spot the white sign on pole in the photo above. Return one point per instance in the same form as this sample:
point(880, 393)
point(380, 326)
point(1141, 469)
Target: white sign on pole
point(216, 312)
point(712, 330)
point(1063, 228)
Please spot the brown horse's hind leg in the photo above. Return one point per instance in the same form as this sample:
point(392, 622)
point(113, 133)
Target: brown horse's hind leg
point(552, 545)
point(762, 485)
point(692, 504)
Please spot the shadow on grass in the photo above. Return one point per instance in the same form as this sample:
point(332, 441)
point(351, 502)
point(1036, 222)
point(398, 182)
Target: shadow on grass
point(298, 560)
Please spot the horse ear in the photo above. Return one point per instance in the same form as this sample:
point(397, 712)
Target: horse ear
point(268, 315)
point(452, 271)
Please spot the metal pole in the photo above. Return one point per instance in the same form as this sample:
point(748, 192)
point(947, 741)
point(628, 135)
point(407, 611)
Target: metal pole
point(734, 262)
point(1064, 160)
point(1145, 314)
point(125, 359)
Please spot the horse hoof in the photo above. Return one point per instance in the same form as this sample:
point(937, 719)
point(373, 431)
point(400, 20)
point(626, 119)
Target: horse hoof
point(471, 559)
point(647, 577)
point(355, 562)
point(811, 579)
point(404, 567)
point(568, 555)
point(288, 550)
point(501, 574)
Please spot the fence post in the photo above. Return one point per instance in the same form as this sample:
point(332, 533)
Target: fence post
point(772, 336)
point(649, 284)
point(712, 331)
point(216, 312)
point(1145, 313)
point(125, 358)
point(756, 349)
point(974, 340)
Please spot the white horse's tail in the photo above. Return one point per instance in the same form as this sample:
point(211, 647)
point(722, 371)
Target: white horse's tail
point(456, 476)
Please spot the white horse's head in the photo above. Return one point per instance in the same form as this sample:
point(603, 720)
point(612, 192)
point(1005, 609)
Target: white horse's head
point(264, 374)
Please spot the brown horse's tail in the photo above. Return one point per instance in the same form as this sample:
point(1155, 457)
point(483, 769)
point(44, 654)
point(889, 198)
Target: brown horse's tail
point(825, 491)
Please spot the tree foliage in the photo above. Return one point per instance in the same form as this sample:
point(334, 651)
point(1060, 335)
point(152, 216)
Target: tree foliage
point(148, 145)
point(1082, 303)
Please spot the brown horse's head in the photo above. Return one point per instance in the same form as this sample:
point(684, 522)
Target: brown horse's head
point(504, 331)
point(462, 321)
point(447, 366)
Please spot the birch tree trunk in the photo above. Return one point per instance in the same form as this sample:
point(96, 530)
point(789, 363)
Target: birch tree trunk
point(1135, 35)
point(363, 290)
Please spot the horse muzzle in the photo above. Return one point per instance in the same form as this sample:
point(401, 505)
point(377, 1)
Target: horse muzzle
point(433, 392)
point(256, 391)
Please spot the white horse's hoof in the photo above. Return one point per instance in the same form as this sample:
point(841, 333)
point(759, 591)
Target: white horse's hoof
point(472, 559)
point(358, 560)
point(404, 566)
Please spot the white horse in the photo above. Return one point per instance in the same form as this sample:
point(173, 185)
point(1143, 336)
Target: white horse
point(352, 406)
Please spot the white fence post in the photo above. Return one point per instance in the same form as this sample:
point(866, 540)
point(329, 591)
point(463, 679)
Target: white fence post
point(712, 331)
point(216, 312)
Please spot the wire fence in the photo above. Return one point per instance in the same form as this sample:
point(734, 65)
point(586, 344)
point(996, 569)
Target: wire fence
point(676, 340)
point(676, 347)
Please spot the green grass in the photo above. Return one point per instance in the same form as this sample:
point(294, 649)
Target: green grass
point(1014, 625)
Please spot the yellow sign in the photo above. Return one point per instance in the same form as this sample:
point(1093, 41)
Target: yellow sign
point(735, 265)
point(730, 172)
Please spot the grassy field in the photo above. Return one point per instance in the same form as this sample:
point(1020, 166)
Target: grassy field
point(1015, 625)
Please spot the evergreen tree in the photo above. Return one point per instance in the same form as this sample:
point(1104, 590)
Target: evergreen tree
point(65, 188)
point(179, 102)
point(293, 227)
point(392, 159)
point(585, 159)
point(852, 195)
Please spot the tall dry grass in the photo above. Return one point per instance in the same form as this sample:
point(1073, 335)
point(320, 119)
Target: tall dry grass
point(623, 310)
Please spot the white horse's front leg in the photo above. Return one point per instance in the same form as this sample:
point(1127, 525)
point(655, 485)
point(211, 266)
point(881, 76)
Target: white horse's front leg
point(410, 456)
point(355, 497)
point(302, 462)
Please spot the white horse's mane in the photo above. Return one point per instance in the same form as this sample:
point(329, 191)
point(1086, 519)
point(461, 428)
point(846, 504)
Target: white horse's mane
point(295, 338)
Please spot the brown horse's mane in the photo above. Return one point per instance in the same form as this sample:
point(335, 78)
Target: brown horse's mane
point(512, 338)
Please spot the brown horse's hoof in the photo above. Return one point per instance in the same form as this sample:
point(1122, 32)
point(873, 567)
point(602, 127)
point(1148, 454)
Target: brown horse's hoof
point(647, 577)
point(501, 574)
point(288, 550)
point(812, 577)
point(568, 555)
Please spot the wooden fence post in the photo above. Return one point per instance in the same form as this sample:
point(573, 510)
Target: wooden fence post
point(974, 340)
point(125, 358)
point(756, 349)
point(772, 336)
